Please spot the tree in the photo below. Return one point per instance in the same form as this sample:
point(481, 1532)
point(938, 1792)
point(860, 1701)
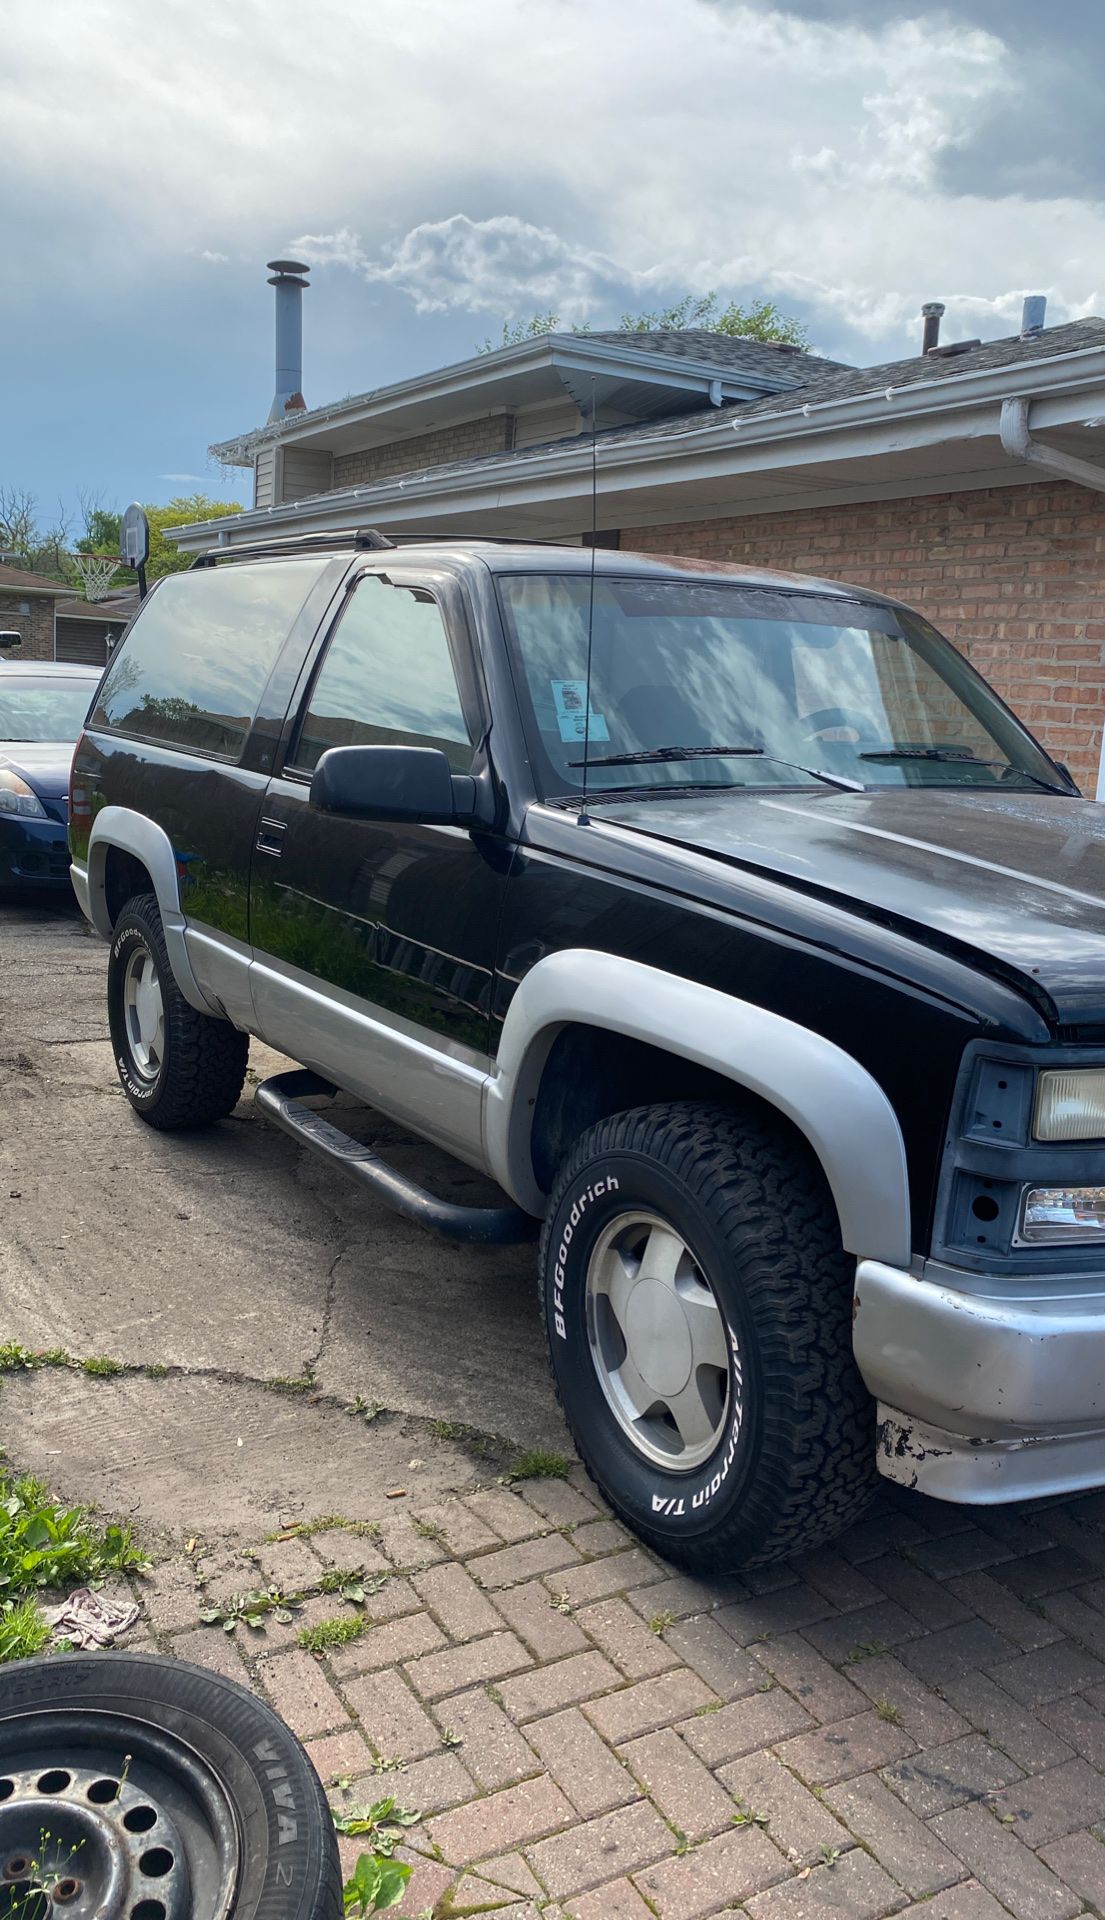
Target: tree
point(760, 320)
point(26, 541)
point(179, 512)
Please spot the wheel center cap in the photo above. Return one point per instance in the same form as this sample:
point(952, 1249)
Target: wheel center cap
point(658, 1337)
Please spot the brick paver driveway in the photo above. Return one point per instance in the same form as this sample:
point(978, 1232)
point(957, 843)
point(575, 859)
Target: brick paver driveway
point(914, 1721)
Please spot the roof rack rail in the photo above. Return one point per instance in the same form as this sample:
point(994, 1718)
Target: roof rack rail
point(362, 539)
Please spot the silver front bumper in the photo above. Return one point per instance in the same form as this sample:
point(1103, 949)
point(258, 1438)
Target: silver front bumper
point(984, 1396)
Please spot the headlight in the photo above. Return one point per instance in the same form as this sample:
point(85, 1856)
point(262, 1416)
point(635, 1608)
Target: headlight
point(17, 797)
point(1063, 1214)
point(1070, 1106)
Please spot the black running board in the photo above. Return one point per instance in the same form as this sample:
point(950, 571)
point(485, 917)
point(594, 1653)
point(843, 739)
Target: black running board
point(281, 1099)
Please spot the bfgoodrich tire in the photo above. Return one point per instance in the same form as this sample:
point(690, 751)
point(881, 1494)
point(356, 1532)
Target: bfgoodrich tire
point(177, 1067)
point(697, 1303)
point(165, 1791)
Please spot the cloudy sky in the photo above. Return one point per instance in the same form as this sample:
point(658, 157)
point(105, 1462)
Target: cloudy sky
point(449, 163)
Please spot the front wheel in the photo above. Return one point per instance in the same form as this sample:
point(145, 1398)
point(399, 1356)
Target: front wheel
point(697, 1304)
point(177, 1067)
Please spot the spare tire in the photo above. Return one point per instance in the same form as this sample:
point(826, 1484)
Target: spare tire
point(139, 1788)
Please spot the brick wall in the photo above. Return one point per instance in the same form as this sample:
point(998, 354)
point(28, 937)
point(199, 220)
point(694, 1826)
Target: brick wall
point(37, 626)
point(492, 434)
point(1014, 575)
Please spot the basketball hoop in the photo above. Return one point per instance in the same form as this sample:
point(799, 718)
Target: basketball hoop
point(97, 572)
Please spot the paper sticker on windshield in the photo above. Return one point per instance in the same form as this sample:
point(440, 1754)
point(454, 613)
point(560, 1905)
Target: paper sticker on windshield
point(571, 698)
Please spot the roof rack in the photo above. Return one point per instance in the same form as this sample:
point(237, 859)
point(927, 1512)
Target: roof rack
point(363, 539)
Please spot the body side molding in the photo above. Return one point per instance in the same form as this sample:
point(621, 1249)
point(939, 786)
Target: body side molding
point(136, 834)
point(832, 1099)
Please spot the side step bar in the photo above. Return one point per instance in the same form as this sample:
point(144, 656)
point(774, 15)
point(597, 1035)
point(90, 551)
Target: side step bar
point(281, 1099)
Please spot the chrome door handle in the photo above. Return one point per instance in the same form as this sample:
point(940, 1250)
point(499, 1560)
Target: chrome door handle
point(270, 837)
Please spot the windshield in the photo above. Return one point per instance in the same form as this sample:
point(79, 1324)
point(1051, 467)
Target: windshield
point(44, 709)
point(799, 687)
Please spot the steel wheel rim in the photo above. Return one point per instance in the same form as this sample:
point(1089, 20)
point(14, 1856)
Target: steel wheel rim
point(144, 1013)
point(659, 1342)
point(102, 1815)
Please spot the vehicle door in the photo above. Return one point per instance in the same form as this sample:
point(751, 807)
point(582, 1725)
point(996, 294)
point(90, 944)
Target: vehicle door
point(374, 941)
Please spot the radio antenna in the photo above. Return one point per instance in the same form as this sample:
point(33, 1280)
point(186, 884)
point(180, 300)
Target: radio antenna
point(584, 816)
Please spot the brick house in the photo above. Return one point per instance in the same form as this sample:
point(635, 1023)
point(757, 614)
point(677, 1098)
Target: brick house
point(968, 480)
point(27, 605)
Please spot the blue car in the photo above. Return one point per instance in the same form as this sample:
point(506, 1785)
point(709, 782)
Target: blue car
point(42, 710)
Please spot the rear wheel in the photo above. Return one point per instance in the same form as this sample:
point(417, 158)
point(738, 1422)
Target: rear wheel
point(177, 1067)
point(697, 1303)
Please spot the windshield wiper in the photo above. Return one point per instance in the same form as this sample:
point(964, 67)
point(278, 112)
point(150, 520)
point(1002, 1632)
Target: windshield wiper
point(654, 755)
point(960, 759)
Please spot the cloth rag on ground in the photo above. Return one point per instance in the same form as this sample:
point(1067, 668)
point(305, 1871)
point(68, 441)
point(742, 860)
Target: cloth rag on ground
point(88, 1620)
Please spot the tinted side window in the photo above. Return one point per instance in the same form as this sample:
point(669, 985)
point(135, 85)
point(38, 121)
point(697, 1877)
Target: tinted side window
point(194, 664)
point(386, 680)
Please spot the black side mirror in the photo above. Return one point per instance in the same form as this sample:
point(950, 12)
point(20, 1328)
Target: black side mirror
point(393, 783)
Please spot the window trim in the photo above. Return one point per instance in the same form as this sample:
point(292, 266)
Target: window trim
point(443, 590)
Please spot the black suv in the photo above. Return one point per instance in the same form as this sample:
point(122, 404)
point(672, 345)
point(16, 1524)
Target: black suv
point(727, 919)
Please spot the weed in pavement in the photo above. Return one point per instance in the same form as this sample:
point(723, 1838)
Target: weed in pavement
point(332, 1633)
point(538, 1465)
point(376, 1882)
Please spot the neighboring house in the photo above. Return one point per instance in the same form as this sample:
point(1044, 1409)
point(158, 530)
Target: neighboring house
point(87, 630)
point(968, 480)
point(27, 603)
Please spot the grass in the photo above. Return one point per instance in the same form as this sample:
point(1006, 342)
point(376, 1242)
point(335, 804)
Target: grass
point(44, 1545)
point(332, 1633)
point(886, 1710)
point(23, 1631)
point(101, 1366)
point(539, 1464)
point(16, 1358)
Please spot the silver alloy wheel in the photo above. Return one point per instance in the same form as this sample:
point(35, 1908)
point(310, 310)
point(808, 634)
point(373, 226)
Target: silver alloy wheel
point(659, 1342)
point(144, 1014)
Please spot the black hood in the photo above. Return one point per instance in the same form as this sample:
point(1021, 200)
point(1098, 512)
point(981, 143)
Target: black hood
point(1017, 877)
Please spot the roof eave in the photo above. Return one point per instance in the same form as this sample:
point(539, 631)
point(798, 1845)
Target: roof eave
point(571, 354)
point(953, 404)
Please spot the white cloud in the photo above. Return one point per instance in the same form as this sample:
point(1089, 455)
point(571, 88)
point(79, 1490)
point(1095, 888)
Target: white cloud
point(498, 265)
point(523, 154)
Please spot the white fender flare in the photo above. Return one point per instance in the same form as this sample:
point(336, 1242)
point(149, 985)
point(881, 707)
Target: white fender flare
point(832, 1099)
point(134, 833)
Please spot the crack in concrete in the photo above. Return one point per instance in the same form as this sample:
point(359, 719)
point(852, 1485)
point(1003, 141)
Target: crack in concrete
point(490, 1448)
point(311, 1364)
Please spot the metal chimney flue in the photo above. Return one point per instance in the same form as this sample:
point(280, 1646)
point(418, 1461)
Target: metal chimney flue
point(931, 313)
point(1032, 315)
point(287, 278)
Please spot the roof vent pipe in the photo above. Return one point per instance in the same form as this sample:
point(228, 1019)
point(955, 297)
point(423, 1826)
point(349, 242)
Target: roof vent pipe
point(931, 313)
point(289, 283)
point(1032, 315)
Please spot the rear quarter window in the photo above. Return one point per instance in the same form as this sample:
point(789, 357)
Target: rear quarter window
point(193, 667)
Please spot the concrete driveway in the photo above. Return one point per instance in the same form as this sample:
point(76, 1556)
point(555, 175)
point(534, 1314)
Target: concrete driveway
point(234, 1260)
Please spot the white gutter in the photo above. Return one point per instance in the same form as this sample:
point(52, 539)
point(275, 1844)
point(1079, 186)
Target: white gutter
point(625, 451)
point(1019, 445)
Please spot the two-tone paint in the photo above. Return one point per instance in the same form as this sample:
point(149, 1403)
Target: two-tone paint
point(840, 956)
